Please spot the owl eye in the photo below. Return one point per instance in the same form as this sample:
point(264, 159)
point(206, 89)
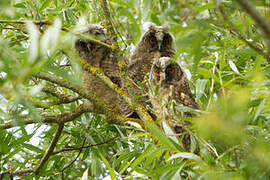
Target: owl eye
point(152, 40)
point(171, 70)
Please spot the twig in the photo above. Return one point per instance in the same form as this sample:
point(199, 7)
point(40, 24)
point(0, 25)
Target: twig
point(19, 40)
point(83, 147)
point(49, 151)
point(34, 4)
point(80, 150)
point(249, 7)
point(23, 22)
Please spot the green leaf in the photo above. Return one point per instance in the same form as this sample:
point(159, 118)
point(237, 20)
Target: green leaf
point(186, 156)
point(111, 170)
point(162, 138)
point(33, 148)
point(85, 175)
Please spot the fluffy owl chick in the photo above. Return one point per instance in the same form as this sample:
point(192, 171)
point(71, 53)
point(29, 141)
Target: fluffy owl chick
point(100, 56)
point(170, 81)
point(156, 42)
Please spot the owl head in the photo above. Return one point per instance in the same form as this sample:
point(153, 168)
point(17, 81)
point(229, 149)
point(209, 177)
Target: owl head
point(156, 38)
point(93, 31)
point(164, 71)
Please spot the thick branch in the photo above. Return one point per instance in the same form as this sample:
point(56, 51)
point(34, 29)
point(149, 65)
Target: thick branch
point(17, 173)
point(236, 32)
point(141, 111)
point(49, 151)
point(99, 105)
point(61, 100)
point(249, 7)
point(260, 20)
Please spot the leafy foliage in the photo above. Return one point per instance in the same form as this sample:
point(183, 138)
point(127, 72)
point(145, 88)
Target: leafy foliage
point(230, 79)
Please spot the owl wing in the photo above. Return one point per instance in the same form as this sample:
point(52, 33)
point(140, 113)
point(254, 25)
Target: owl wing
point(183, 94)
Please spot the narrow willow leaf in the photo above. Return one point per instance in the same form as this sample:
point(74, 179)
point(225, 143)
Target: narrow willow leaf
point(32, 148)
point(85, 175)
point(49, 40)
point(163, 138)
point(233, 66)
point(185, 155)
point(111, 170)
point(34, 41)
point(200, 86)
point(177, 176)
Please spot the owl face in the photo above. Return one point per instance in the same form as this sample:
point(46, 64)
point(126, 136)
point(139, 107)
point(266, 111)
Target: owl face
point(164, 71)
point(156, 39)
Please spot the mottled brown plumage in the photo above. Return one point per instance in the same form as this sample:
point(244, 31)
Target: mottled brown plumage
point(100, 56)
point(168, 85)
point(155, 43)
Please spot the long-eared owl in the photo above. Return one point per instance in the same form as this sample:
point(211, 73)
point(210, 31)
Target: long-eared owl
point(156, 42)
point(100, 56)
point(168, 84)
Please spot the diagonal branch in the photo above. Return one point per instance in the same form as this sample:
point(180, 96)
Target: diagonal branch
point(249, 7)
point(80, 151)
point(49, 151)
point(139, 108)
point(260, 20)
point(99, 105)
point(236, 32)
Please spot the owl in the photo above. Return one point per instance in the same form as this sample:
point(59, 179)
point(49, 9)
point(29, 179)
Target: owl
point(168, 85)
point(156, 42)
point(100, 56)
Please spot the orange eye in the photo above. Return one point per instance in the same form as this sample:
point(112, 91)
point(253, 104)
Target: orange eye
point(152, 40)
point(172, 70)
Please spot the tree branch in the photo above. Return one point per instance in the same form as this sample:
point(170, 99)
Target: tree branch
point(236, 32)
point(49, 151)
point(139, 108)
point(99, 105)
point(16, 173)
point(260, 20)
point(83, 147)
point(80, 151)
point(62, 118)
point(45, 22)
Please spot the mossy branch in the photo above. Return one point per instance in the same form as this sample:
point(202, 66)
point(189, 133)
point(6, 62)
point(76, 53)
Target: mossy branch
point(61, 118)
point(141, 111)
point(99, 105)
